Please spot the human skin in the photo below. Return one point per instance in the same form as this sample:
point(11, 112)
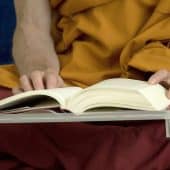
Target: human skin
point(34, 51)
point(162, 77)
point(33, 47)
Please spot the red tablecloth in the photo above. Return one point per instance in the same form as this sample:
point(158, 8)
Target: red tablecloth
point(84, 146)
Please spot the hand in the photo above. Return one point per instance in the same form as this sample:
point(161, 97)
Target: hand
point(162, 77)
point(38, 80)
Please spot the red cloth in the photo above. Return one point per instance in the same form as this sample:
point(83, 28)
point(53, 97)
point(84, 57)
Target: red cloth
point(84, 146)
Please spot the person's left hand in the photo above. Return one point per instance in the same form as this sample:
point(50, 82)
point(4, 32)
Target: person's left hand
point(162, 77)
point(38, 80)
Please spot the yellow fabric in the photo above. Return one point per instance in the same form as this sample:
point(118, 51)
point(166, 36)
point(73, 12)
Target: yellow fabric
point(99, 39)
point(9, 76)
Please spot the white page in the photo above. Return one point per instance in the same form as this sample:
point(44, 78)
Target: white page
point(122, 83)
point(121, 92)
point(60, 94)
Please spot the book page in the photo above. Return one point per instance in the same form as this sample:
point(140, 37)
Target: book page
point(122, 83)
point(155, 94)
point(61, 95)
point(120, 92)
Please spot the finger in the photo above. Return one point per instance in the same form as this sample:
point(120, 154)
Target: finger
point(50, 80)
point(26, 83)
point(166, 82)
point(37, 80)
point(158, 77)
point(60, 82)
point(168, 108)
point(168, 93)
point(168, 79)
point(16, 90)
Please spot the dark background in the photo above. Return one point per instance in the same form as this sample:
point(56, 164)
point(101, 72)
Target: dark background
point(7, 26)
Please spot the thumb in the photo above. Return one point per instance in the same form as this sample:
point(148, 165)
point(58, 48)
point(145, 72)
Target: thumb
point(168, 93)
point(159, 76)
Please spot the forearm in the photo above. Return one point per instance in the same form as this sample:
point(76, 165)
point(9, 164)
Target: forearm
point(32, 41)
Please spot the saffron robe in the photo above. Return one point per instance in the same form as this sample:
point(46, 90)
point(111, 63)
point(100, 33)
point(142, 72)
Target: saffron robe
point(93, 46)
point(100, 39)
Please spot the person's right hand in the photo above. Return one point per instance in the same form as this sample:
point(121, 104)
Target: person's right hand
point(38, 80)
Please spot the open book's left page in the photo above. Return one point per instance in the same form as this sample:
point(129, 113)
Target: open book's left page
point(59, 95)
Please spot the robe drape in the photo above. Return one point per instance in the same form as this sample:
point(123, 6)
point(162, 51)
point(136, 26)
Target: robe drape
point(100, 39)
point(96, 40)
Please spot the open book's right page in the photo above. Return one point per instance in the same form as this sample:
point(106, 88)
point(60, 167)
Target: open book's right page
point(120, 93)
point(155, 94)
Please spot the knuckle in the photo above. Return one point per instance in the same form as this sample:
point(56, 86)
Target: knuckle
point(163, 71)
point(35, 73)
point(51, 71)
point(50, 76)
point(23, 77)
point(168, 81)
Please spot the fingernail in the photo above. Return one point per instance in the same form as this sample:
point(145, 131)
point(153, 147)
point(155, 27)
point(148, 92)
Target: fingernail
point(151, 81)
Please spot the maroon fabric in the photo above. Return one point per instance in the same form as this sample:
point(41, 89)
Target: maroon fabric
point(4, 92)
point(84, 146)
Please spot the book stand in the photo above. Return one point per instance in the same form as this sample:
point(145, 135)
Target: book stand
point(47, 116)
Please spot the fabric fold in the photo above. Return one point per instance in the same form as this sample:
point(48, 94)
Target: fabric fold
point(100, 39)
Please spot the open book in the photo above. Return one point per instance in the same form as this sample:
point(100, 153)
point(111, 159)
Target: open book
point(111, 93)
